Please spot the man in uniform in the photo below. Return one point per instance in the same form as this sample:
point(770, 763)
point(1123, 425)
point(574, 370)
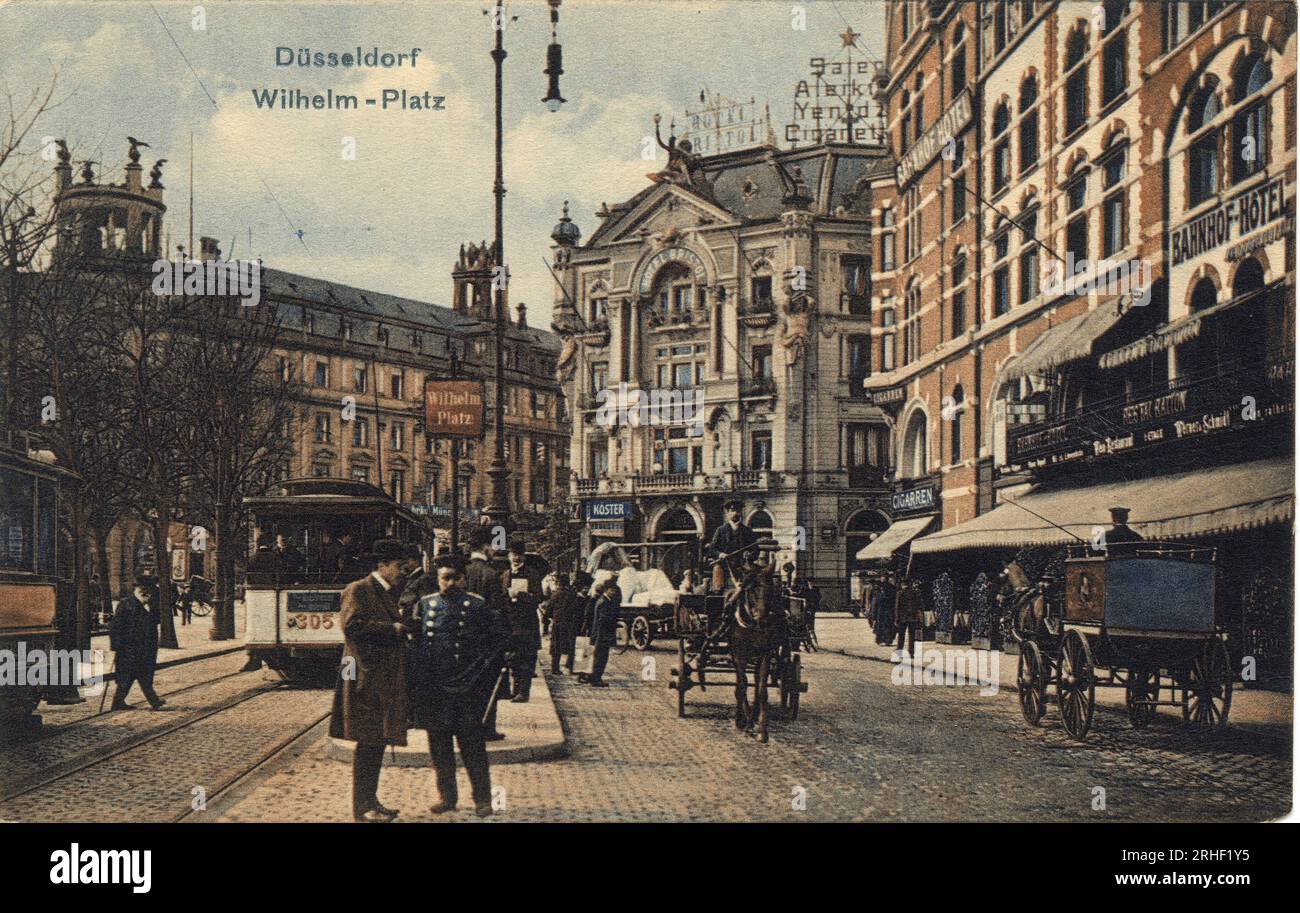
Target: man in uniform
point(133, 635)
point(459, 646)
point(523, 585)
point(370, 698)
point(730, 544)
point(483, 579)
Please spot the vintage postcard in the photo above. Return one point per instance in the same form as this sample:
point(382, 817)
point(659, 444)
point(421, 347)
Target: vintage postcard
point(651, 411)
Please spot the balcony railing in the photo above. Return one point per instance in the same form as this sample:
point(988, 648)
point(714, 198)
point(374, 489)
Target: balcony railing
point(668, 482)
point(749, 479)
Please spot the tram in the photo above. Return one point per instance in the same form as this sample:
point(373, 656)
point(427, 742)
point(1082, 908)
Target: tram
point(327, 527)
point(30, 486)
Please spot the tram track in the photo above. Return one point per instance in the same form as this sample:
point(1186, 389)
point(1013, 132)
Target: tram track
point(82, 764)
point(234, 779)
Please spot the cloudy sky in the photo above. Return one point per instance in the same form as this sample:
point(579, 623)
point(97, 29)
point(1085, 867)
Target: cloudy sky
point(421, 182)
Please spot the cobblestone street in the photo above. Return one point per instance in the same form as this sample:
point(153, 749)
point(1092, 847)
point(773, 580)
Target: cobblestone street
point(863, 749)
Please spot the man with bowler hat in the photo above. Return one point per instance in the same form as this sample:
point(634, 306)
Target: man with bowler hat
point(370, 698)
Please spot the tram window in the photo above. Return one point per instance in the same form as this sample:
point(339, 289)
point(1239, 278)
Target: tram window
point(16, 516)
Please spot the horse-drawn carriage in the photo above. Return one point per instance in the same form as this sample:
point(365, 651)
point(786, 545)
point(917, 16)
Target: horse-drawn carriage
point(1139, 617)
point(757, 630)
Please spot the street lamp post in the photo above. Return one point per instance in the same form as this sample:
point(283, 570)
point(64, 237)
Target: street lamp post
point(498, 511)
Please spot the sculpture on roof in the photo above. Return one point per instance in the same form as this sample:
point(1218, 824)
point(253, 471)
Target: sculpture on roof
point(685, 167)
point(795, 193)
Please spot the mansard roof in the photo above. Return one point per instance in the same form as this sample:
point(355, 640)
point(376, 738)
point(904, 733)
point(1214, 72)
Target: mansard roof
point(747, 188)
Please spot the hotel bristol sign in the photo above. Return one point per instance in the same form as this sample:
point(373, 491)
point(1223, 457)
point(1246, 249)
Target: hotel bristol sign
point(1232, 221)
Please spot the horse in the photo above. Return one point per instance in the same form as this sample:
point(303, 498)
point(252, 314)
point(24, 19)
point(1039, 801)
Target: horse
point(756, 632)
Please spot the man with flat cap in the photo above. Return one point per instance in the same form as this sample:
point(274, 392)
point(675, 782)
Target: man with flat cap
point(133, 635)
point(456, 662)
point(370, 697)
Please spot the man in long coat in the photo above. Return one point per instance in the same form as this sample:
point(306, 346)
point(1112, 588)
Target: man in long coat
point(370, 698)
point(564, 610)
point(483, 579)
point(133, 635)
point(604, 630)
point(457, 658)
point(522, 583)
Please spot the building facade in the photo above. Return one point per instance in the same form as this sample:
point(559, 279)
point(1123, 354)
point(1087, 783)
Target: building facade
point(1132, 332)
point(733, 299)
point(360, 359)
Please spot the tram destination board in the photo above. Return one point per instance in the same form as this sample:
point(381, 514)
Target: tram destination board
point(312, 602)
point(454, 408)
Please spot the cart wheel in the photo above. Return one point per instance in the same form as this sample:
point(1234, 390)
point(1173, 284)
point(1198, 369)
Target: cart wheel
point(1207, 691)
point(796, 685)
point(640, 635)
point(1076, 685)
point(1142, 688)
point(1032, 683)
point(683, 676)
point(201, 609)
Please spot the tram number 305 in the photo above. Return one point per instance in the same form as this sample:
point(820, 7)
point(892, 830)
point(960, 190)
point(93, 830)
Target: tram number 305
point(310, 620)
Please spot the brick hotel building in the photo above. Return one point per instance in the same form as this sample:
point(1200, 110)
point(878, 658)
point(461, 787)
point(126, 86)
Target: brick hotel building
point(1031, 134)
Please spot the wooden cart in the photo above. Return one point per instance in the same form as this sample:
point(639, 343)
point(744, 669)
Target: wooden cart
point(1140, 617)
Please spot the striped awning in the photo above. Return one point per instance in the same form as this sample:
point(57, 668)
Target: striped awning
point(1066, 342)
point(1201, 502)
point(894, 538)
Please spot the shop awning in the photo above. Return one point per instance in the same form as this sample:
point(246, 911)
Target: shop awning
point(1066, 342)
point(1202, 502)
point(894, 538)
point(1175, 333)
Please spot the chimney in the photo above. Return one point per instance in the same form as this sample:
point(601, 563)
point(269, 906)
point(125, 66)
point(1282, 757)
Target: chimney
point(208, 249)
point(521, 307)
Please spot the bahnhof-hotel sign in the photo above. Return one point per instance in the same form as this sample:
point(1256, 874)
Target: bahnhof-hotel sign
point(1235, 220)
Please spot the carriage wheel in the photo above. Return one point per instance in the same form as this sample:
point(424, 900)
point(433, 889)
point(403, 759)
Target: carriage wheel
point(1142, 687)
point(1207, 689)
point(795, 674)
point(1032, 683)
point(639, 634)
point(683, 676)
point(1076, 685)
point(201, 609)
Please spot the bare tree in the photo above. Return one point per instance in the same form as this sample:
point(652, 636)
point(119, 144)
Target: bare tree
point(236, 405)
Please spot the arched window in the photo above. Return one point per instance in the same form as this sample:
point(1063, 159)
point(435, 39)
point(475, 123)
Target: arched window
point(1028, 123)
point(912, 323)
point(1029, 262)
point(761, 523)
point(1114, 52)
point(1076, 82)
point(677, 524)
point(1203, 165)
point(675, 290)
point(958, 59)
point(916, 448)
point(957, 410)
point(1001, 148)
point(1076, 230)
point(1199, 356)
point(1249, 126)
